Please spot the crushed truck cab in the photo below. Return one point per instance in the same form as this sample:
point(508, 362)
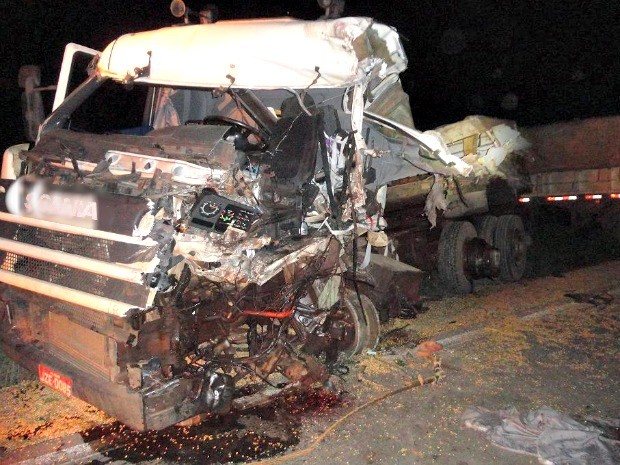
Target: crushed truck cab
point(200, 223)
point(185, 231)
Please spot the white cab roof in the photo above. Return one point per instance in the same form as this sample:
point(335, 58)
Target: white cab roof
point(258, 54)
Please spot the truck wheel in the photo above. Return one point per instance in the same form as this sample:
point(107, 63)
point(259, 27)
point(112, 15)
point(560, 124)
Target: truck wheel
point(348, 328)
point(362, 324)
point(486, 228)
point(451, 256)
point(511, 241)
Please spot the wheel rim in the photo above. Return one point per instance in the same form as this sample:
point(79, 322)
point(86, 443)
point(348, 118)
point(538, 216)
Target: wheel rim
point(348, 325)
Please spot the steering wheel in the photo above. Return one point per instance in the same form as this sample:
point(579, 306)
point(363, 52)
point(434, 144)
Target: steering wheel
point(247, 129)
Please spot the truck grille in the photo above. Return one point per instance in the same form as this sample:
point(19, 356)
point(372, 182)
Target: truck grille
point(103, 286)
point(103, 270)
point(85, 246)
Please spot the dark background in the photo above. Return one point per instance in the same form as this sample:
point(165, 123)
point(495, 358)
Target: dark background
point(531, 61)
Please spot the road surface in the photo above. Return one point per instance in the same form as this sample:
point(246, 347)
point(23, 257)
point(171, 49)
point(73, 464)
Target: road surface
point(523, 345)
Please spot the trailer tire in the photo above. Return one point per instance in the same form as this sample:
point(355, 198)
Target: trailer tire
point(486, 228)
point(511, 240)
point(451, 256)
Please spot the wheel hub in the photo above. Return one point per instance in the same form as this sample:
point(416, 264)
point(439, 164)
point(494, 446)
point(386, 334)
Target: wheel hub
point(481, 259)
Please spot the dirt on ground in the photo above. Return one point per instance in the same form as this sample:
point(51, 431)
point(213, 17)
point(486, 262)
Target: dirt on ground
point(31, 412)
point(524, 344)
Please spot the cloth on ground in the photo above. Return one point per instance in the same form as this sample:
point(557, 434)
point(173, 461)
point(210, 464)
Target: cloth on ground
point(554, 438)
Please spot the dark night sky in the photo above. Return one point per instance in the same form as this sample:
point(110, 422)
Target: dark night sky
point(534, 61)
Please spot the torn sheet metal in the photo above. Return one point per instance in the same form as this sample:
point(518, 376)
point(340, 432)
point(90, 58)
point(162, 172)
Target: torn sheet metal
point(238, 268)
point(434, 145)
point(469, 153)
point(357, 193)
point(331, 292)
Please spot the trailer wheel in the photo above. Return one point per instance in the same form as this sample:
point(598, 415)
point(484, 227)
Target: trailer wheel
point(486, 228)
point(451, 256)
point(511, 241)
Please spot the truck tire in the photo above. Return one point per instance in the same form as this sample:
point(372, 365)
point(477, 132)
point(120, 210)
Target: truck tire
point(451, 256)
point(366, 321)
point(356, 327)
point(510, 239)
point(486, 227)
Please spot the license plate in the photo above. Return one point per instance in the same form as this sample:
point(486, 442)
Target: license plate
point(55, 380)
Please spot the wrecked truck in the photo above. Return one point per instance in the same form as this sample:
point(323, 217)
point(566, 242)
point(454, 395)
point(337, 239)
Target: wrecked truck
point(200, 222)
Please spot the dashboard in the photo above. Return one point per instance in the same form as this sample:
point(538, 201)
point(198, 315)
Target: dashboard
point(216, 213)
